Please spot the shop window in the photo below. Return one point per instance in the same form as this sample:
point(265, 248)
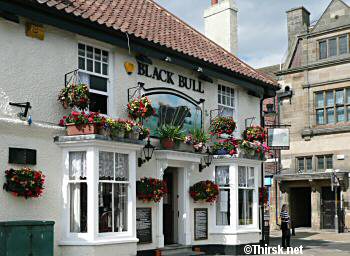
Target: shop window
point(78, 192)
point(93, 71)
point(332, 106)
point(223, 202)
point(246, 186)
point(226, 100)
point(113, 192)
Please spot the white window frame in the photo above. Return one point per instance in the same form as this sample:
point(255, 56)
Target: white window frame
point(234, 227)
point(234, 98)
point(93, 237)
point(109, 72)
point(225, 188)
point(252, 188)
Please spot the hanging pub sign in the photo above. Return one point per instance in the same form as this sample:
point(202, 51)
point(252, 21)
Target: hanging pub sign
point(144, 225)
point(169, 77)
point(200, 223)
point(278, 138)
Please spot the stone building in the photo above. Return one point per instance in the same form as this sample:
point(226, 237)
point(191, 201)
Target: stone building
point(315, 101)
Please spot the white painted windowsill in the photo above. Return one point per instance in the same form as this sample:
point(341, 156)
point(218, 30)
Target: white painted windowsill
point(97, 242)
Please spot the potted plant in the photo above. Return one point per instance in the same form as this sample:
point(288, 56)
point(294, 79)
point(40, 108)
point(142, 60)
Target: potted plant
point(225, 147)
point(197, 138)
point(222, 125)
point(117, 128)
point(24, 182)
point(150, 189)
point(206, 191)
point(140, 108)
point(169, 135)
point(74, 95)
point(79, 123)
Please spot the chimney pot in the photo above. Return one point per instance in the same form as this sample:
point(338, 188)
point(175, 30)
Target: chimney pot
point(214, 2)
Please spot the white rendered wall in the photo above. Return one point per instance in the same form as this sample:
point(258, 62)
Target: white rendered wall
point(33, 71)
point(220, 24)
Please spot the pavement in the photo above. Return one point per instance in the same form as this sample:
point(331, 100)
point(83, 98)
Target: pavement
point(315, 243)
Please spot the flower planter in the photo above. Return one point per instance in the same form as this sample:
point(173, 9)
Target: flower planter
point(134, 135)
point(118, 134)
point(73, 129)
point(167, 143)
point(104, 132)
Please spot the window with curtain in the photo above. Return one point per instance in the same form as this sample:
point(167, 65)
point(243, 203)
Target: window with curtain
point(93, 71)
point(223, 203)
point(246, 188)
point(78, 192)
point(113, 192)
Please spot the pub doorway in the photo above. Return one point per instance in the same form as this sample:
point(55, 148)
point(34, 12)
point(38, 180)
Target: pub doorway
point(328, 207)
point(300, 206)
point(170, 207)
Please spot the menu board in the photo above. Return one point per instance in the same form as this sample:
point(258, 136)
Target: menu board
point(200, 224)
point(144, 225)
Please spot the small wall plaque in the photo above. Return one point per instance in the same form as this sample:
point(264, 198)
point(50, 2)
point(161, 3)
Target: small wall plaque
point(35, 31)
point(22, 156)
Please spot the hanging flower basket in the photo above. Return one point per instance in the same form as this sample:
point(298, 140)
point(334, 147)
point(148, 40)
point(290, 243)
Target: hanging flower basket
point(140, 108)
point(24, 182)
point(254, 133)
point(263, 192)
point(206, 191)
point(150, 189)
point(80, 123)
point(222, 125)
point(253, 143)
point(75, 95)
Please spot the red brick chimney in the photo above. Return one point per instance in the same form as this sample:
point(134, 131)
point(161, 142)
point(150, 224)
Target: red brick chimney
point(214, 2)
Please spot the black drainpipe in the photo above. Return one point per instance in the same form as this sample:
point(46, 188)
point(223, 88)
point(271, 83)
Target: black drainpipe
point(262, 124)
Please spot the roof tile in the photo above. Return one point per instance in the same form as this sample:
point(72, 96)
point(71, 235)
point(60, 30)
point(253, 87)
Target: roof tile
point(147, 20)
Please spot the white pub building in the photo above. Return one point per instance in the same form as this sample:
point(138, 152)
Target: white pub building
point(120, 48)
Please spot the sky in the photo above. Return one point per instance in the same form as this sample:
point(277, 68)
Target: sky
point(262, 24)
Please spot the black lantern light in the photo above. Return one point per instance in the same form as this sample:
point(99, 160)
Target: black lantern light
point(208, 159)
point(148, 152)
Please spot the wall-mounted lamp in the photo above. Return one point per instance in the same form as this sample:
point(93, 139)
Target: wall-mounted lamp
point(148, 153)
point(168, 59)
point(208, 159)
point(129, 67)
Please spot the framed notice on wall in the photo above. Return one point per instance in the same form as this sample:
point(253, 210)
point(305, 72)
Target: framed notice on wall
point(278, 138)
point(200, 224)
point(144, 225)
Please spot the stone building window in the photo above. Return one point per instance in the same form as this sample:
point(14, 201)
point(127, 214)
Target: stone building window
point(93, 70)
point(333, 46)
point(332, 106)
point(304, 164)
point(324, 162)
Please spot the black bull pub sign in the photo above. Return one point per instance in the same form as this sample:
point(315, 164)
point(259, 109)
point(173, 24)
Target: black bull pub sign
point(169, 77)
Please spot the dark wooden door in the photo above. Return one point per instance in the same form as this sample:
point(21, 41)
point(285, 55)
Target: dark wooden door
point(168, 210)
point(328, 208)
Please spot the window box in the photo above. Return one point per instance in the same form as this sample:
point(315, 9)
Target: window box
point(73, 129)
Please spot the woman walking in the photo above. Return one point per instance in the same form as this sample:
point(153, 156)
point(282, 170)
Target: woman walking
point(285, 221)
